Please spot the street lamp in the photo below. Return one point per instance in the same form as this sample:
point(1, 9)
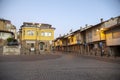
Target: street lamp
point(99, 30)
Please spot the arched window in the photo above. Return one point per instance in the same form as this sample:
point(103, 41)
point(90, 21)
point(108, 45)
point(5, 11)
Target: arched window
point(30, 32)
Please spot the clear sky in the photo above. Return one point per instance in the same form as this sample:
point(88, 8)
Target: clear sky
point(61, 14)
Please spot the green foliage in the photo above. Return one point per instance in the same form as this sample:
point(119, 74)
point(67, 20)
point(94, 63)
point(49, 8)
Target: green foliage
point(10, 39)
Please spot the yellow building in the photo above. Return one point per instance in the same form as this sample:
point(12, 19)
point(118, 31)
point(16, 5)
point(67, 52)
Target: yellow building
point(74, 41)
point(58, 43)
point(69, 42)
point(36, 37)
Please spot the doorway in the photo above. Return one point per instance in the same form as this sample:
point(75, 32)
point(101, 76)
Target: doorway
point(41, 46)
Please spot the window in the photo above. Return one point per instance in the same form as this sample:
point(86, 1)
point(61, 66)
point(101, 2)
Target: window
point(45, 34)
point(32, 44)
point(30, 32)
point(49, 34)
point(116, 34)
point(42, 34)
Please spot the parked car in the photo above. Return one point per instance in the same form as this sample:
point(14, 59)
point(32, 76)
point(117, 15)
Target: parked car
point(13, 43)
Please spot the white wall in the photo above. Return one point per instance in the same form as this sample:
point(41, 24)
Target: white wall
point(4, 35)
point(11, 50)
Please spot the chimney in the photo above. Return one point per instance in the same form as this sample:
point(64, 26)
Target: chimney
point(80, 28)
point(86, 25)
point(70, 31)
point(101, 20)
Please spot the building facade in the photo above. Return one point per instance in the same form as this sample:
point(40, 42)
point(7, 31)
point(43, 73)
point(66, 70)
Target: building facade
point(101, 39)
point(113, 40)
point(7, 30)
point(4, 35)
point(36, 37)
point(6, 25)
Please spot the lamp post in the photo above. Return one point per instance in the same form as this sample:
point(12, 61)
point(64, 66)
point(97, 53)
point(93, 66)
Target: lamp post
point(100, 43)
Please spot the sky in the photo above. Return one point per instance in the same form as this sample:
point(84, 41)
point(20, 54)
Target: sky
point(64, 15)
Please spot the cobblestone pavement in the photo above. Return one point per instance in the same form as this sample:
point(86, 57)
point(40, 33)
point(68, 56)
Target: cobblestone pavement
point(57, 67)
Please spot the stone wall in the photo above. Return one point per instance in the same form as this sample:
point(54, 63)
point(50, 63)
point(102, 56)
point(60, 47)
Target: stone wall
point(11, 50)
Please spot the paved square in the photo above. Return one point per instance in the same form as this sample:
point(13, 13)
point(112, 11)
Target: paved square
point(57, 67)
